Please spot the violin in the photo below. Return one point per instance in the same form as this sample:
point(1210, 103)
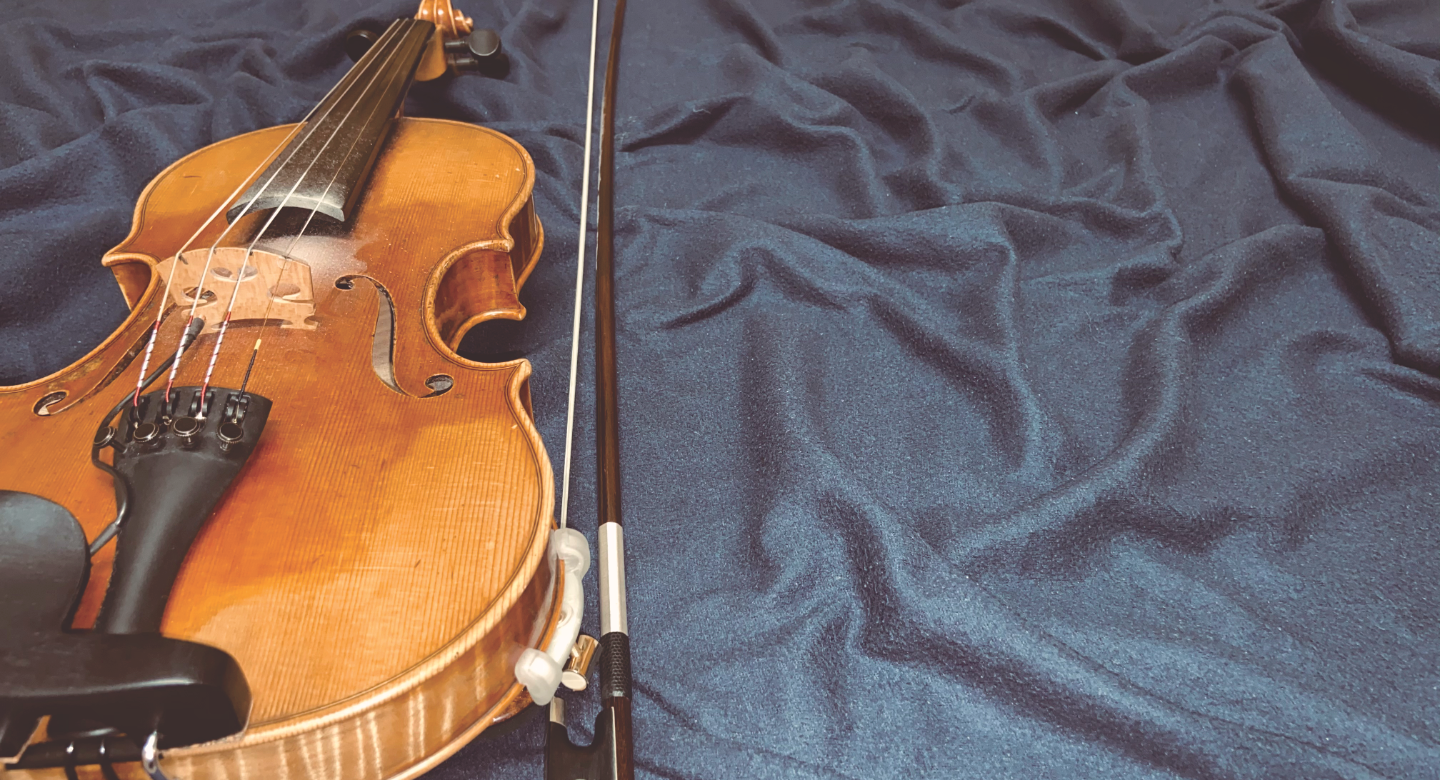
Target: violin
point(274, 525)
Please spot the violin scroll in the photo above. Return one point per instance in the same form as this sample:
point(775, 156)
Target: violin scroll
point(450, 21)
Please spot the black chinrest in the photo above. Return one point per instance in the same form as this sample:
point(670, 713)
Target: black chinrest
point(136, 684)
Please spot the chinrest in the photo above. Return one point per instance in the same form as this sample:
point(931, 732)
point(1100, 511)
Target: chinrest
point(128, 686)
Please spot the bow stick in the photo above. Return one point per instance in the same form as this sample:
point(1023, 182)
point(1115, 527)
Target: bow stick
point(611, 755)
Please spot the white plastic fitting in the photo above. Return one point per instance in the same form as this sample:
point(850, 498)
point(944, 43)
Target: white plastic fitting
point(569, 545)
point(541, 672)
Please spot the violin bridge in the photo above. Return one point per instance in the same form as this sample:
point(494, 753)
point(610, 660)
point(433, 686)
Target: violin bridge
point(271, 288)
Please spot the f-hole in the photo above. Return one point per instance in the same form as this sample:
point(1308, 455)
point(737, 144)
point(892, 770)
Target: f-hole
point(439, 384)
point(51, 404)
point(42, 407)
point(382, 349)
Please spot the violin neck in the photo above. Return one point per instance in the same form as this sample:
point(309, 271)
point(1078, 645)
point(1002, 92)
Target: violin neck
point(324, 167)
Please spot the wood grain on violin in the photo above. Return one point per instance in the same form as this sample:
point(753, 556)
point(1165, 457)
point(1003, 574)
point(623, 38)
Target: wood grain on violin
point(380, 562)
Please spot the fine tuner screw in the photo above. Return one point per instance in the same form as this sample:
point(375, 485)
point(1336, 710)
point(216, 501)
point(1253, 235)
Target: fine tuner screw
point(146, 431)
point(187, 428)
point(230, 432)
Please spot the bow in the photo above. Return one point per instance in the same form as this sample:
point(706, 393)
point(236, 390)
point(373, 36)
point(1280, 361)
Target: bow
point(611, 756)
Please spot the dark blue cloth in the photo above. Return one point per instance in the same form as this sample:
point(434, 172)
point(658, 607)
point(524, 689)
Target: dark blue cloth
point(1011, 389)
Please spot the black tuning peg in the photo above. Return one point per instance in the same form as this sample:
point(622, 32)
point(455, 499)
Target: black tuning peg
point(478, 52)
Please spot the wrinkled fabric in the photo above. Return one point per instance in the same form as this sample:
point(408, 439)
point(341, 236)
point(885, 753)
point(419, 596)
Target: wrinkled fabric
point(1010, 389)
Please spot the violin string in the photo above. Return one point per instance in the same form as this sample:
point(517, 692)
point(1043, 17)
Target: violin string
point(289, 248)
point(248, 179)
point(364, 63)
point(390, 35)
point(249, 250)
point(580, 267)
point(174, 266)
point(286, 256)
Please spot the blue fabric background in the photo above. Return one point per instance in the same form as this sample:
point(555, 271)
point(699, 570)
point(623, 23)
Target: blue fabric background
point(1011, 389)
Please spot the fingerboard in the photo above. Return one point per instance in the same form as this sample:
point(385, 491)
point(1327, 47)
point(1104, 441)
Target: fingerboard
point(325, 165)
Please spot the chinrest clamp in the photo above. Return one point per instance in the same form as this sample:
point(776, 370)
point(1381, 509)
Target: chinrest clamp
point(101, 692)
point(150, 758)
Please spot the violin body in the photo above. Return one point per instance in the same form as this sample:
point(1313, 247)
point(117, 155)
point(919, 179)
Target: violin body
point(380, 562)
